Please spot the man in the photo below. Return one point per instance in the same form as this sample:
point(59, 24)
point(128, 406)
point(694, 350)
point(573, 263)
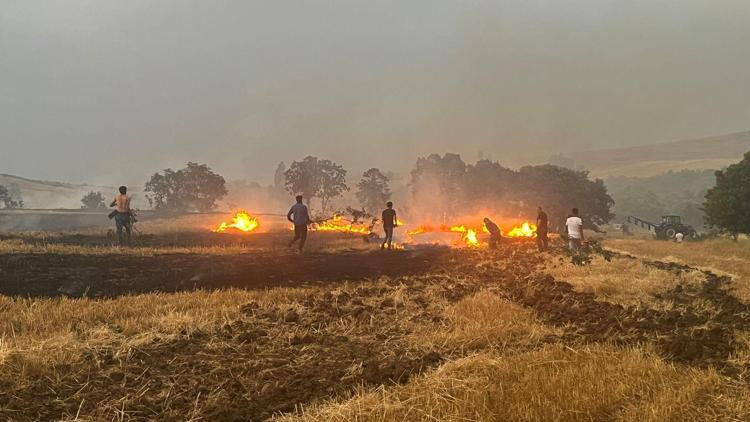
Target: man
point(389, 222)
point(122, 215)
point(495, 233)
point(542, 228)
point(574, 224)
point(300, 217)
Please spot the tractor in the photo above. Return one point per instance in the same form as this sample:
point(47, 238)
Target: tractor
point(670, 225)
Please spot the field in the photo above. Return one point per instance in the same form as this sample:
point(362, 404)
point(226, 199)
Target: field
point(195, 325)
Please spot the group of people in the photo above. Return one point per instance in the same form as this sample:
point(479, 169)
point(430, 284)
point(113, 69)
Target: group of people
point(299, 216)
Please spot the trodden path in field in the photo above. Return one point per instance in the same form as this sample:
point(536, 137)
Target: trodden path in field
point(698, 330)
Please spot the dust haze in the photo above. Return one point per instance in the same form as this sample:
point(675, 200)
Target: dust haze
point(110, 92)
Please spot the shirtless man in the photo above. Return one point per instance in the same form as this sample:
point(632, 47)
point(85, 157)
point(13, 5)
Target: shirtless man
point(122, 215)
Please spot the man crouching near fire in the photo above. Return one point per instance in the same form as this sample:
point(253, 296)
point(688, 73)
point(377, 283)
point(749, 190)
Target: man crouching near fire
point(495, 233)
point(122, 215)
point(300, 217)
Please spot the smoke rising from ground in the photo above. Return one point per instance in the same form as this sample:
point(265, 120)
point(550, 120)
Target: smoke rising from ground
point(111, 92)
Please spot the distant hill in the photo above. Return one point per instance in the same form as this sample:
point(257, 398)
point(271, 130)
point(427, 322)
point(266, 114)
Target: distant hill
point(46, 194)
point(713, 152)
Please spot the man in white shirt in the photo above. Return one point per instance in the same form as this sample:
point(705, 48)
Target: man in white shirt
point(574, 224)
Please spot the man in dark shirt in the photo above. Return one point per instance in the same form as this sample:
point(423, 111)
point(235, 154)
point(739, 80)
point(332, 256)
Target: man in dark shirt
point(542, 228)
point(300, 217)
point(495, 233)
point(389, 222)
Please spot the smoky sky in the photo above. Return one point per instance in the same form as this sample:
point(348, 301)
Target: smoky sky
point(112, 91)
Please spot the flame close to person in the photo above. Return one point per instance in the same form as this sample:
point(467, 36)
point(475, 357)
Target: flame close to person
point(338, 224)
point(524, 230)
point(241, 222)
point(470, 235)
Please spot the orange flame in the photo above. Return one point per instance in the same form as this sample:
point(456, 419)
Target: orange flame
point(524, 230)
point(471, 238)
point(339, 224)
point(469, 235)
point(241, 221)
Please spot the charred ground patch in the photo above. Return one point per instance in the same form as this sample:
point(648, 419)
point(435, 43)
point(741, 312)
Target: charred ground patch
point(111, 275)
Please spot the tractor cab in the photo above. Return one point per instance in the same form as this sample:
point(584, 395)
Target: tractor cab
point(671, 219)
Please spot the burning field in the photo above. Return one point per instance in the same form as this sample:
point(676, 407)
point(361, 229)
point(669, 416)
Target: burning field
point(470, 235)
point(224, 322)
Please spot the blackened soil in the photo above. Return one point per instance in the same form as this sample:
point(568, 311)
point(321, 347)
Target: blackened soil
point(48, 275)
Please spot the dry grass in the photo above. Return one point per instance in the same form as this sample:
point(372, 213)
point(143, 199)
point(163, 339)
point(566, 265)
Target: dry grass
point(485, 321)
point(621, 280)
point(721, 256)
point(504, 364)
point(40, 333)
point(553, 383)
point(17, 246)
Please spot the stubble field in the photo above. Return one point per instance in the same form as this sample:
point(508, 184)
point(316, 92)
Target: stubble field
point(203, 326)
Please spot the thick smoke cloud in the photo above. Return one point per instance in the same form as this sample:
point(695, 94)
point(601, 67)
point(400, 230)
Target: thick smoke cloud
point(110, 92)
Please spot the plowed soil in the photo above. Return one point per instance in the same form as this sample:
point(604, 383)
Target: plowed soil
point(276, 359)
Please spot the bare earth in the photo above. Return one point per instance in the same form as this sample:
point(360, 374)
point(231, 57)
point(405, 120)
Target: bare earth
point(336, 323)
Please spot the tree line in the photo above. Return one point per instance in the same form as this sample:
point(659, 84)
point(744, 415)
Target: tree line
point(449, 187)
point(462, 188)
point(441, 186)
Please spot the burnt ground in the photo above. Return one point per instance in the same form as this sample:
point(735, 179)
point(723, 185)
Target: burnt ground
point(48, 275)
point(275, 359)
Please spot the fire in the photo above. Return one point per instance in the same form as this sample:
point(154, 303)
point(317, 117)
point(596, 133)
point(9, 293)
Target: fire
point(524, 230)
point(471, 238)
point(470, 235)
point(443, 228)
point(339, 224)
point(241, 221)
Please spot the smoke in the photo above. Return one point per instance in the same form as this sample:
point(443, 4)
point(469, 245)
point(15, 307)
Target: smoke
point(110, 92)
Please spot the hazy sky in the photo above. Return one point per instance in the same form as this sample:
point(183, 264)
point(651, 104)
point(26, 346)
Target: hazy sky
point(110, 91)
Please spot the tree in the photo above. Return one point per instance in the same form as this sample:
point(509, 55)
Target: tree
point(278, 176)
point(559, 189)
point(333, 182)
point(315, 178)
point(303, 178)
point(10, 198)
point(93, 200)
point(487, 180)
point(437, 183)
point(193, 188)
point(727, 205)
point(373, 190)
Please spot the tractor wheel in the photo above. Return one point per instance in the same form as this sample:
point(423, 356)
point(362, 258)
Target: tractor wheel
point(670, 232)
